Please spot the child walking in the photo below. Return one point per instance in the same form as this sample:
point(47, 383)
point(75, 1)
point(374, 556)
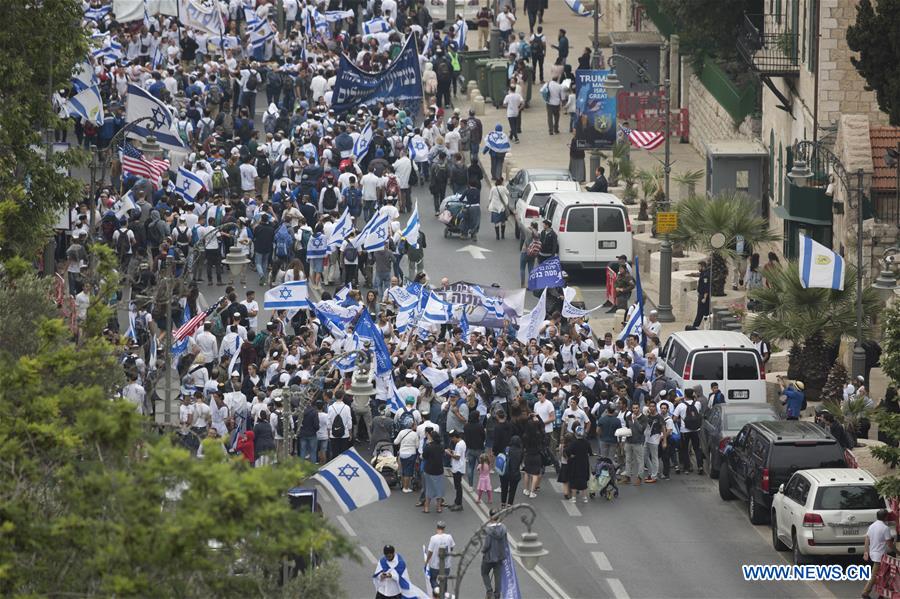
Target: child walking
point(484, 479)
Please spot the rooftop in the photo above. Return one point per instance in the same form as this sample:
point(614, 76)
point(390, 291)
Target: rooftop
point(884, 177)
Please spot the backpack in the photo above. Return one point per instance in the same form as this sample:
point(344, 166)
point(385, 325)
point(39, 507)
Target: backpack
point(500, 464)
point(545, 92)
point(392, 187)
point(279, 424)
point(534, 248)
point(152, 233)
point(300, 244)
point(537, 46)
point(351, 254)
point(218, 180)
point(182, 237)
point(282, 243)
point(443, 70)
point(415, 254)
point(337, 427)
point(524, 50)
point(329, 199)
point(406, 418)
point(413, 176)
point(123, 244)
point(501, 387)
point(692, 419)
point(252, 81)
point(214, 95)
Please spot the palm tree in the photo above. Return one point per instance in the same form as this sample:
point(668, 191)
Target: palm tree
point(651, 190)
point(731, 214)
point(812, 319)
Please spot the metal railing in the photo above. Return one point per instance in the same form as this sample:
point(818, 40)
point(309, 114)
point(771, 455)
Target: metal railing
point(769, 45)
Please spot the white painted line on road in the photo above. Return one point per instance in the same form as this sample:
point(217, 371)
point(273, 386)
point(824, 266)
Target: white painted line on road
point(617, 588)
point(476, 252)
point(369, 555)
point(346, 526)
point(557, 486)
point(601, 561)
point(587, 535)
point(555, 590)
point(571, 508)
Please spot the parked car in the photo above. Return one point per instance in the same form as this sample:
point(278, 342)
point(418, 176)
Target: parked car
point(824, 512)
point(592, 228)
point(534, 198)
point(722, 422)
point(467, 8)
point(517, 184)
point(764, 455)
point(725, 357)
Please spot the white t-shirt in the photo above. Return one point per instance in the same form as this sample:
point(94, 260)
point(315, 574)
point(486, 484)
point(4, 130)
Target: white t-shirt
point(681, 411)
point(879, 534)
point(440, 541)
point(248, 177)
point(252, 306)
point(513, 102)
point(545, 410)
point(202, 415)
point(505, 21)
point(408, 441)
point(579, 415)
point(458, 464)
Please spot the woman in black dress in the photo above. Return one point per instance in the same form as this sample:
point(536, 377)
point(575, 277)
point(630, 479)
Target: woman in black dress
point(509, 480)
point(532, 443)
point(579, 463)
point(563, 475)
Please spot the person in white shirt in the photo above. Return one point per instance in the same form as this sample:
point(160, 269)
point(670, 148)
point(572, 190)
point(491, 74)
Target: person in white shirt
point(403, 168)
point(135, 393)
point(207, 343)
point(339, 444)
point(202, 416)
point(514, 102)
point(452, 139)
point(252, 309)
point(879, 540)
point(407, 441)
point(438, 541)
point(556, 96)
point(248, 176)
point(457, 453)
point(573, 416)
point(505, 22)
point(219, 413)
point(652, 326)
point(545, 409)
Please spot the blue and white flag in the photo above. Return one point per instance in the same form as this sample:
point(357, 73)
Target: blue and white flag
point(497, 141)
point(376, 25)
point(334, 324)
point(234, 365)
point(316, 247)
point(124, 205)
point(400, 83)
point(407, 589)
point(570, 311)
point(411, 232)
point(131, 333)
point(635, 324)
point(509, 582)
point(88, 105)
point(407, 307)
point(377, 236)
point(335, 16)
point(439, 380)
point(494, 305)
point(361, 146)
point(252, 19)
point(158, 57)
point(418, 149)
point(203, 15)
point(530, 326)
point(179, 347)
point(389, 387)
point(155, 118)
point(83, 76)
point(342, 294)
point(292, 295)
point(110, 52)
point(819, 266)
point(546, 274)
point(96, 13)
point(437, 311)
point(464, 326)
point(366, 329)
point(188, 185)
point(460, 36)
point(342, 228)
point(578, 7)
point(352, 481)
point(427, 42)
point(261, 34)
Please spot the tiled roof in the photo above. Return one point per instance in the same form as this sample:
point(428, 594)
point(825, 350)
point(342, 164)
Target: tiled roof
point(884, 177)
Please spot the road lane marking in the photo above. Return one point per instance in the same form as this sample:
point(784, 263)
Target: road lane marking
point(601, 561)
point(617, 588)
point(571, 508)
point(346, 526)
point(587, 535)
point(557, 486)
point(369, 555)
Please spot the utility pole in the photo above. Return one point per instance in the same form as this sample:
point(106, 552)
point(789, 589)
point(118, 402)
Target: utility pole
point(595, 59)
point(859, 353)
point(442, 564)
point(168, 398)
point(451, 15)
point(665, 250)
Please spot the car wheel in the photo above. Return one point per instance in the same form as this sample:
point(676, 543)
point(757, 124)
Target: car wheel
point(446, 233)
point(518, 231)
point(713, 470)
point(799, 558)
point(725, 485)
point(754, 511)
point(777, 543)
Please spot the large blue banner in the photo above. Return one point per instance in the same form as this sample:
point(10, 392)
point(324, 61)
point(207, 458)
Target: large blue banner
point(595, 111)
point(546, 274)
point(400, 83)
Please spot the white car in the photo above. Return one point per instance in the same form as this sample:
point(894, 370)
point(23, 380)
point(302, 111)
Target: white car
point(534, 197)
point(824, 511)
point(467, 8)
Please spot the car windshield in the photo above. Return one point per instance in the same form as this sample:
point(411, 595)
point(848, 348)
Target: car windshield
point(560, 176)
point(735, 422)
point(849, 497)
point(538, 200)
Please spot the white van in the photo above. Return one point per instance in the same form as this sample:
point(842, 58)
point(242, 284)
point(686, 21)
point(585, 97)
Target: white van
point(593, 228)
point(534, 198)
point(726, 357)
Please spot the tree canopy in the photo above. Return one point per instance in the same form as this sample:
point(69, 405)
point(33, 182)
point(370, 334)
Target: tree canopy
point(874, 36)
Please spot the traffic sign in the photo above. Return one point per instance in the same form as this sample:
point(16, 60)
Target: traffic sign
point(666, 222)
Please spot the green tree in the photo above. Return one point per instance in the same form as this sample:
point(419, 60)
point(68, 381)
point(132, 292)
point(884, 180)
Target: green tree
point(731, 214)
point(890, 343)
point(93, 504)
point(708, 28)
point(40, 41)
point(874, 36)
point(812, 319)
point(889, 425)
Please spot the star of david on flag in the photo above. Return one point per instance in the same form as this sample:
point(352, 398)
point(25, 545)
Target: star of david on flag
point(352, 482)
point(292, 295)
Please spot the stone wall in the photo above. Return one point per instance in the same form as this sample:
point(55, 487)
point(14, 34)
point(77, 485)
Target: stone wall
point(709, 120)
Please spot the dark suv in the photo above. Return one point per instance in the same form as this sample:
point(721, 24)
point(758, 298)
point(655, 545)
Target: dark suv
point(763, 455)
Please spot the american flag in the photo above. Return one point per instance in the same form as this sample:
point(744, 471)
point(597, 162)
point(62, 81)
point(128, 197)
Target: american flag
point(646, 140)
point(134, 163)
point(188, 328)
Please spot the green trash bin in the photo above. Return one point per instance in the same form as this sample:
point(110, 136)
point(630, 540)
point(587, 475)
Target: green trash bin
point(482, 76)
point(467, 63)
point(499, 82)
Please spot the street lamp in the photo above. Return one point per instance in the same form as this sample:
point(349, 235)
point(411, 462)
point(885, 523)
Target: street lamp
point(800, 173)
point(664, 307)
point(886, 282)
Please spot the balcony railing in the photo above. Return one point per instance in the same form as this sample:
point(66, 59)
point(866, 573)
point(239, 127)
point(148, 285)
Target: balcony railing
point(769, 45)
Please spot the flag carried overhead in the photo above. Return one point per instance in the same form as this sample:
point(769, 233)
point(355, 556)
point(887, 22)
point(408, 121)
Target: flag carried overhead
point(203, 15)
point(188, 185)
point(288, 296)
point(635, 323)
point(151, 117)
point(188, 328)
point(87, 104)
point(819, 266)
point(578, 7)
point(411, 232)
point(352, 481)
point(646, 140)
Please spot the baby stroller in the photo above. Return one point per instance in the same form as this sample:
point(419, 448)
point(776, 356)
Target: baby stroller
point(603, 481)
point(452, 214)
point(386, 463)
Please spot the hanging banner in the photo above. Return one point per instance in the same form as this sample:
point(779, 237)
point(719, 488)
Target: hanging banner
point(546, 274)
point(400, 83)
point(464, 293)
point(595, 111)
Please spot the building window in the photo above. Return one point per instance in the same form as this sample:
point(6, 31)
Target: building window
point(780, 173)
point(772, 164)
point(742, 181)
point(777, 11)
point(811, 55)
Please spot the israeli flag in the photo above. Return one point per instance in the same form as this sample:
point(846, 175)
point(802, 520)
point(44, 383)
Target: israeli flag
point(342, 228)
point(88, 105)
point(203, 16)
point(493, 305)
point(261, 34)
point(464, 325)
point(83, 76)
point(389, 387)
point(361, 146)
point(291, 295)
point(570, 311)
point(252, 19)
point(316, 247)
point(439, 379)
point(155, 118)
point(124, 205)
point(376, 25)
point(407, 307)
point(377, 237)
point(579, 8)
point(342, 294)
point(352, 481)
point(437, 311)
point(158, 58)
point(366, 329)
point(411, 232)
point(418, 149)
point(407, 589)
point(188, 185)
point(819, 266)
point(131, 333)
point(334, 324)
point(461, 30)
point(497, 141)
point(109, 53)
point(334, 16)
point(96, 13)
point(635, 323)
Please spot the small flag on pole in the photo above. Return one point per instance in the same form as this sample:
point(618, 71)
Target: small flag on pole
point(819, 266)
point(579, 8)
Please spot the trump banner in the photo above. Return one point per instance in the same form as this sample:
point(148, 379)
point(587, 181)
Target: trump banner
point(595, 111)
point(400, 83)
